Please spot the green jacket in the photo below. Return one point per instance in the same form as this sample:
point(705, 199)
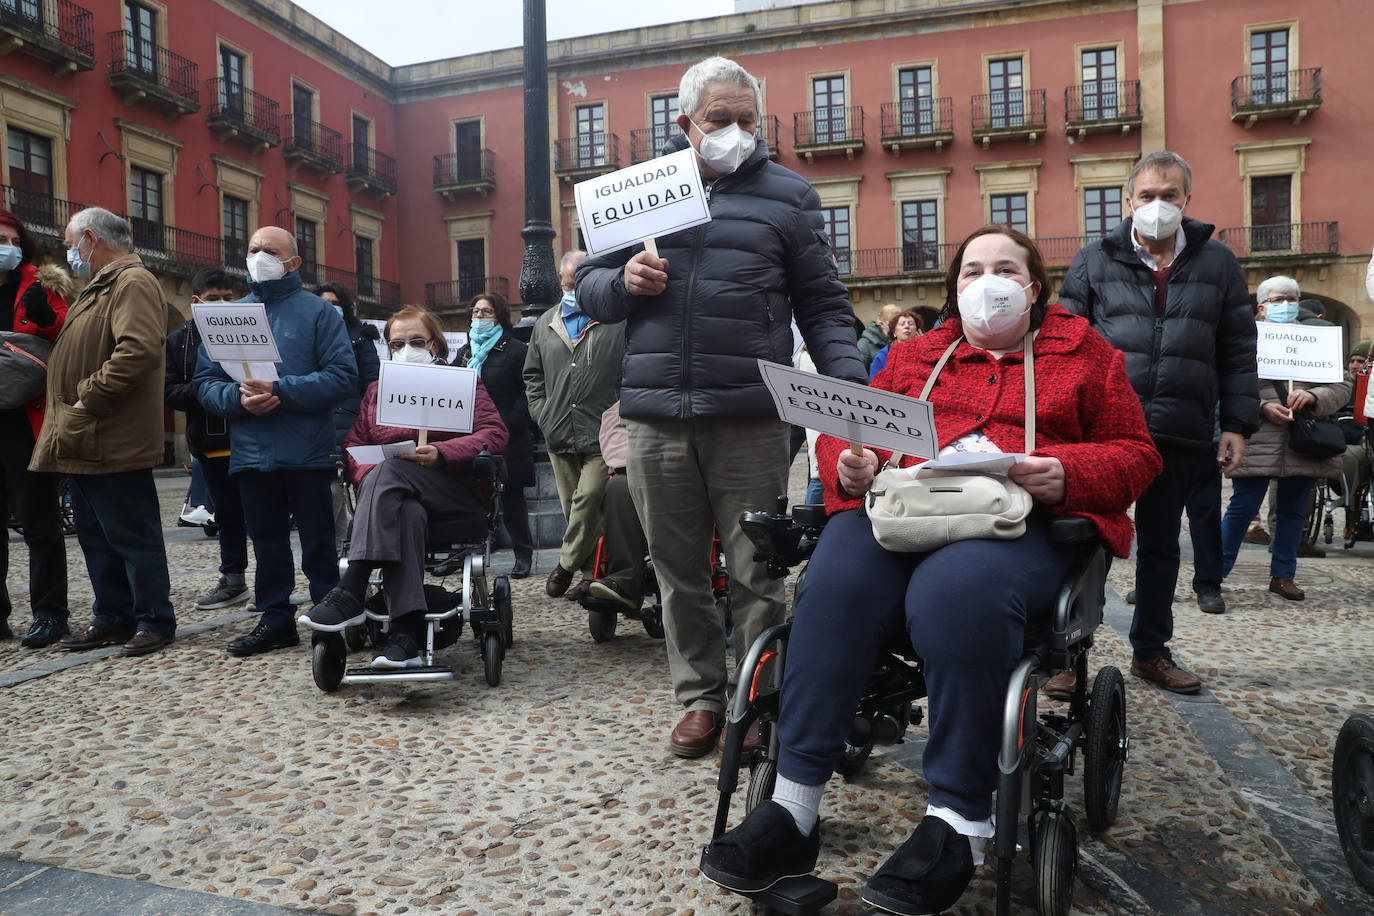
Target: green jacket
point(570, 384)
point(873, 339)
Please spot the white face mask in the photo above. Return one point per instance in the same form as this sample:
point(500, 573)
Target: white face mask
point(482, 325)
point(263, 267)
point(726, 149)
point(418, 355)
point(1157, 220)
point(993, 305)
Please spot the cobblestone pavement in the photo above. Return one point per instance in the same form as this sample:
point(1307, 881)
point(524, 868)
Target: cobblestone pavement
point(191, 771)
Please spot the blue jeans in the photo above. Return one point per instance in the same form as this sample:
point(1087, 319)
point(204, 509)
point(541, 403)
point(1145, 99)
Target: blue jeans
point(815, 492)
point(120, 531)
point(271, 499)
point(1291, 506)
point(199, 493)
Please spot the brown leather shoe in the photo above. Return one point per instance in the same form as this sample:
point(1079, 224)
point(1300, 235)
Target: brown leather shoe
point(1257, 536)
point(1060, 687)
point(145, 642)
point(1167, 674)
point(696, 733)
point(578, 591)
point(557, 583)
point(1286, 588)
point(751, 742)
point(1310, 551)
point(91, 638)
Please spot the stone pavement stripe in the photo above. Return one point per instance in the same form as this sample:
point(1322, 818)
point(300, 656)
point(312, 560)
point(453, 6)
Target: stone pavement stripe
point(44, 889)
point(71, 660)
point(1298, 822)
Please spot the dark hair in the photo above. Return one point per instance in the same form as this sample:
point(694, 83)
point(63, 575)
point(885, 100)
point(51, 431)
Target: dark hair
point(432, 328)
point(1035, 266)
point(498, 303)
point(905, 313)
point(28, 246)
point(212, 278)
point(350, 311)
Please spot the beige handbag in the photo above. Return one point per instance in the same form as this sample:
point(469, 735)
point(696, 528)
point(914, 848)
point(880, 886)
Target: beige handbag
point(916, 515)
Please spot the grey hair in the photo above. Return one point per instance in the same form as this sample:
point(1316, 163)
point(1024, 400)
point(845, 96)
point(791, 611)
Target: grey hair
point(1279, 284)
point(713, 70)
point(567, 258)
point(111, 229)
point(1159, 161)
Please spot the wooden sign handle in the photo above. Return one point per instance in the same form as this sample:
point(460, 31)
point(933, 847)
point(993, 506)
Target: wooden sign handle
point(651, 246)
point(247, 372)
point(856, 449)
point(424, 438)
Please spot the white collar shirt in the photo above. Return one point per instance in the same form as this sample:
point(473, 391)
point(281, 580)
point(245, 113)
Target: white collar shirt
point(1148, 259)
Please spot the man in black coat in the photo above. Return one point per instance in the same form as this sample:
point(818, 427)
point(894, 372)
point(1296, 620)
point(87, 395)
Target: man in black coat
point(1175, 302)
point(705, 440)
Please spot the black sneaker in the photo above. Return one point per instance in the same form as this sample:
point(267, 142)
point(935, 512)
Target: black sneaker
point(521, 569)
point(44, 632)
point(1211, 603)
point(336, 610)
point(264, 639)
point(224, 594)
point(765, 848)
point(927, 874)
point(400, 652)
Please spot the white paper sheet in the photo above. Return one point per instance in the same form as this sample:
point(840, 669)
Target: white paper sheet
point(265, 371)
point(376, 454)
point(969, 463)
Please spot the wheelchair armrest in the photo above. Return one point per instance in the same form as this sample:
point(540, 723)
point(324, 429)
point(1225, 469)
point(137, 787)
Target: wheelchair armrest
point(809, 516)
point(487, 466)
point(1065, 530)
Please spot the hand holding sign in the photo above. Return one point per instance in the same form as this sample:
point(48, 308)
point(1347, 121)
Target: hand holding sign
point(646, 273)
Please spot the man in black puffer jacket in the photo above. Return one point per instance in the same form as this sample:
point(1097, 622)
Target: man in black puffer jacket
point(705, 441)
point(1175, 302)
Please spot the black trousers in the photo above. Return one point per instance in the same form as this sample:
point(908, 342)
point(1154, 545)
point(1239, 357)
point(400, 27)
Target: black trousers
point(1204, 527)
point(33, 499)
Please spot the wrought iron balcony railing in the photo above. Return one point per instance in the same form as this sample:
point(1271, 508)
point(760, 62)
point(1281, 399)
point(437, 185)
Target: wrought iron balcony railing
point(58, 31)
point(837, 125)
point(365, 288)
point(1275, 95)
point(770, 132)
point(913, 119)
point(1010, 112)
point(142, 70)
point(236, 111)
point(646, 142)
point(1097, 101)
point(597, 152)
point(44, 215)
point(371, 169)
point(918, 258)
point(455, 173)
point(176, 250)
point(1282, 239)
point(314, 144)
point(456, 294)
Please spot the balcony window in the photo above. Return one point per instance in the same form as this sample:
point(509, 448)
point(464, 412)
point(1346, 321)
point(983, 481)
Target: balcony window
point(467, 147)
point(362, 265)
point(920, 235)
point(231, 82)
point(837, 227)
point(1006, 105)
point(140, 27)
point(1101, 211)
point(303, 113)
point(915, 101)
point(1271, 213)
point(30, 176)
point(145, 208)
point(829, 117)
point(1010, 210)
point(590, 131)
point(235, 231)
point(663, 114)
point(1097, 77)
point(306, 248)
point(1269, 67)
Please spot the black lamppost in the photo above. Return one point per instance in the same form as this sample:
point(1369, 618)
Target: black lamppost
point(539, 285)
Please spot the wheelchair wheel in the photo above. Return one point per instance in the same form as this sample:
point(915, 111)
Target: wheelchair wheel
point(602, 624)
point(1105, 754)
point(1056, 861)
point(500, 595)
point(653, 620)
point(328, 659)
point(852, 761)
point(763, 776)
point(355, 637)
point(492, 653)
point(1352, 791)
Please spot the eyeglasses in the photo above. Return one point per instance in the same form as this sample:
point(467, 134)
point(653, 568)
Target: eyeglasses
point(418, 342)
point(1274, 300)
point(484, 311)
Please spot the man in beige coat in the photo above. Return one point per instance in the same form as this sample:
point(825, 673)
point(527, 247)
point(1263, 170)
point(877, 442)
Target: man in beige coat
point(104, 428)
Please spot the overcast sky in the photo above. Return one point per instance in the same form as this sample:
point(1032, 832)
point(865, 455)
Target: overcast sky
point(410, 31)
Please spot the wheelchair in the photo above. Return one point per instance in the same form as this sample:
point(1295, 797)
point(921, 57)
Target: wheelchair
point(454, 546)
point(1036, 749)
point(1352, 794)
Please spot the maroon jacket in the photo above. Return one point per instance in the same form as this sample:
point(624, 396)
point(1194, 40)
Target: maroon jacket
point(458, 449)
point(1087, 415)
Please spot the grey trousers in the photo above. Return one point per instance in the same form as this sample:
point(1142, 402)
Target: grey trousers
point(394, 505)
point(685, 476)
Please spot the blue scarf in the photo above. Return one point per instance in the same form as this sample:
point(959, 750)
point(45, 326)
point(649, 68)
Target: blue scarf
point(481, 344)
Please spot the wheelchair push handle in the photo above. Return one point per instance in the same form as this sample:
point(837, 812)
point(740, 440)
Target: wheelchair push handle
point(487, 466)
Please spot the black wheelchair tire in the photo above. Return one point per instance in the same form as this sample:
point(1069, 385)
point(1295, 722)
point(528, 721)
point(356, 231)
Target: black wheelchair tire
point(851, 762)
point(355, 637)
point(1105, 752)
point(1056, 862)
point(1352, 794)
point(653, 620)
point(763, 777)
point(492, 653)
point(211, 530)
point(602, 623)
point(328, 660)
point(500, 594)
point(1313, 527)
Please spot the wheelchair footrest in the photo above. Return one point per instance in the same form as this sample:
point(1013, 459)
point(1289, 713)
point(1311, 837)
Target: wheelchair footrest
point(381, 675)
point(797, 896)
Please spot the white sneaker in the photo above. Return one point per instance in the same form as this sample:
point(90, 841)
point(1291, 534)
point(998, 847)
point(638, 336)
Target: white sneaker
point(198, 516)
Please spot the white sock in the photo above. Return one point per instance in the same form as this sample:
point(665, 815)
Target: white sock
point(978, 832)
point(801, 801)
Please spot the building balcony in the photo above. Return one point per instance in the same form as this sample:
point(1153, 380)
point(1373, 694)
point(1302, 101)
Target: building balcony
point(312, 145)
point(167, 249)
point(44, 215)
point(1102, 107)
point(909, 260)
point(1259, 96)
point(1012, 114)
point(379, 297)
point(918, 124)
point(834, 131)
point(242, 114)
point(586, 156)
point(370, 170)
point(464, 173)
point(646, 142)
point(55, 31)
point(141, 71)
point(770, 132)
point(454, 295)
point(1294, 242)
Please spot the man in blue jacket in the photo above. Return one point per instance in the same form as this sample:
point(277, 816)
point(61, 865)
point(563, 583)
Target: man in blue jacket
point(282, 436)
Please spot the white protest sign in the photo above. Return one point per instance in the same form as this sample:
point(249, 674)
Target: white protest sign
point(426, 397)
point(235, 332)
point(1299, 352)
point(853, 412)
point(642, 202)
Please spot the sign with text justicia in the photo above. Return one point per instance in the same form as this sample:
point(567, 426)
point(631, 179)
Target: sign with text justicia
point(426, 397)
point(645, 201)
point(235, 332)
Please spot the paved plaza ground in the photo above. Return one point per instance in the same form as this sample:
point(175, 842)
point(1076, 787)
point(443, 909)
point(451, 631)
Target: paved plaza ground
point(193, 782)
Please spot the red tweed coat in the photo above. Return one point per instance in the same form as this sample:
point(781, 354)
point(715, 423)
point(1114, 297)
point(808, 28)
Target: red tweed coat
point(1087, 415)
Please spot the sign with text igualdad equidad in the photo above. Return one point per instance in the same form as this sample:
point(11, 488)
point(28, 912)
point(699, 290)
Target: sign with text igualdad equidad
point(1299, 352)
point(426, 397)
point(235, 332)
point(853, 412)
point(645, 201)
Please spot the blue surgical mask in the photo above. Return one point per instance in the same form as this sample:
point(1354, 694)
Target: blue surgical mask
point(79, 265)
point(483, 325)
point(10, 256)
point(1281, 312)
point(339, 309)
point(570, 301)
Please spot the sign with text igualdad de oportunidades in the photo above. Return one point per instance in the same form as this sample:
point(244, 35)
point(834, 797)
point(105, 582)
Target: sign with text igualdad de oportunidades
point(645, 201)
point(1299, 352)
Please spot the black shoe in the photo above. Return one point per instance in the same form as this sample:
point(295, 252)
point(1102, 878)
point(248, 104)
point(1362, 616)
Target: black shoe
point(521, 569)
point(224, 594)
point(400, 652)
point(765, 848)
point(265, 639)
point(44, 632)
point(5, 631)
point(336, 610)
point(927, 874)
point(1211, 603)
point(1130, 597)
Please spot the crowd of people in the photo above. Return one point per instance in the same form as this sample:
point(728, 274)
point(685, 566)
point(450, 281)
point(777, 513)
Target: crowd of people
point(644, 385)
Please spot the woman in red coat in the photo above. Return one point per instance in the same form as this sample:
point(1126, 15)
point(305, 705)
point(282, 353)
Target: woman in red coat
point(32, 301)
point(965, 605)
